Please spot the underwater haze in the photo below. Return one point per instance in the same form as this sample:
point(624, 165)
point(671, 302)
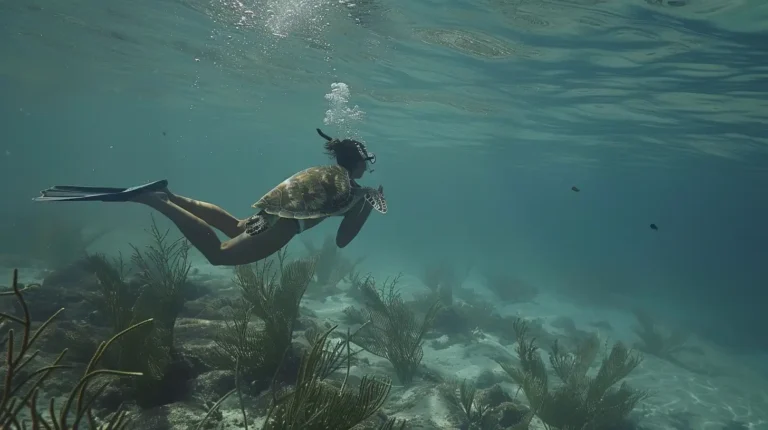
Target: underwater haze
point(596, 169)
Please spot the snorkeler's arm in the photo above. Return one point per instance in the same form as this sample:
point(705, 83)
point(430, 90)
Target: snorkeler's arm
point(352, 223)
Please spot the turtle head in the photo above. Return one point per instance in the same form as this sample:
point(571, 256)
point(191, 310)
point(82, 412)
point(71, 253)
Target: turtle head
point(349, 154)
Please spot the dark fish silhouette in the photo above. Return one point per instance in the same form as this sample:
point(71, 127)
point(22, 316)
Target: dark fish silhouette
point(575, 188)
point(164, 133)
point(653, 227)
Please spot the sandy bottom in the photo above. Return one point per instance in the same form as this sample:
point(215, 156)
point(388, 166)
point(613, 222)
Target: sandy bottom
point(730, 394)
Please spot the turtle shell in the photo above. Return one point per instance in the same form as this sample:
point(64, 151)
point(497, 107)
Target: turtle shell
point(312, 193)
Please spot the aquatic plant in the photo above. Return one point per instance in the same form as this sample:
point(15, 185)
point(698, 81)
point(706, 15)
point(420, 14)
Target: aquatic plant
point(272, 295)
point(331, 266)
point(143, 350)
point(276, 302)
point(394, 332)
point(240, 342)
point(21, 387)
point(657, 341)
point(443, 280)
point(580, 401)
point(463, 395)
point(439, 280)
point(356, 280)
point(314, 404)
point(488, 410)
point(353, 315)
point(162, 270)
point(163, 267)
point(115, 297)
point(333, 354)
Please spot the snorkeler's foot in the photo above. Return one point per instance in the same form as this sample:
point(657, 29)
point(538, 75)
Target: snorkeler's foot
point(152, 197)
point(78, 193)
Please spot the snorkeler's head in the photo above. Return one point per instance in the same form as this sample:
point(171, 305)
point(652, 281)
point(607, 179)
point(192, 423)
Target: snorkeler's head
point(349, 154)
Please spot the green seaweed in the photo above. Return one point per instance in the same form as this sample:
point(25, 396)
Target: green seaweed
point(274, 296)
point(162, 269)
point(443, 280)
point(658, 341)
point(214, 409)
point(271, 295)
point(395, 332)
point(463, 395)
point(242, 342)
point(314, 404)
point(579, 401)
point(21, 388)
point(331, 266)
point(115, 297)
point(334, 354)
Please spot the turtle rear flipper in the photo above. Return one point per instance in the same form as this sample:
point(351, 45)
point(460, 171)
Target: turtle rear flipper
point(377, 200)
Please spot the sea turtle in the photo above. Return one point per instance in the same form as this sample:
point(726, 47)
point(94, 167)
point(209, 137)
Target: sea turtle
point(316, 192)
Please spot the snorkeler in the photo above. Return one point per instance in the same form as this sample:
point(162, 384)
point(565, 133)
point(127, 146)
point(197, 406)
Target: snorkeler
point(297, 204)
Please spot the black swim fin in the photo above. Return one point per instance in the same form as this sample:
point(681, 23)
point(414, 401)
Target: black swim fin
point(73, 193)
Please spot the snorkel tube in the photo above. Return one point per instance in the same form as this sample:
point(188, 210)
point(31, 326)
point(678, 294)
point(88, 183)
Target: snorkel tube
point(323, 135)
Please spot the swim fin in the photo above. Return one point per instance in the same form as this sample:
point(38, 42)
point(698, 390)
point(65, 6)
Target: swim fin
point(72, 193)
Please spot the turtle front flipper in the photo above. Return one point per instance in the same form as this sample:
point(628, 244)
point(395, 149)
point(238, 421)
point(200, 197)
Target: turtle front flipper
point(376, 199)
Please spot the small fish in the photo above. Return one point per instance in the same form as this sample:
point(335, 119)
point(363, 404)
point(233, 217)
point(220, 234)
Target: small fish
point(165, 134)
point(575, 189)
point(653, 227)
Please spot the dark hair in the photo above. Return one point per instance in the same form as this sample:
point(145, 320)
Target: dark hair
point(344, 151)
point(347, 152)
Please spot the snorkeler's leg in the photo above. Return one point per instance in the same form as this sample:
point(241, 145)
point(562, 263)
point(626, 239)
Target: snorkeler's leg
point(213, 215)
point(243, 249)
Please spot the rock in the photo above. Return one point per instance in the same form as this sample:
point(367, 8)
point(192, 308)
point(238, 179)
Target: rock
point(206, 307)
point(194, 290)
point(452, 321)
point(172, 416)
point(60, 291)
point(213, 384)
point(76, 275)
point(486, 379)
point(172, 387)
point(112, 397)
point(493, 396)
point(507, 415)
point(79, 338)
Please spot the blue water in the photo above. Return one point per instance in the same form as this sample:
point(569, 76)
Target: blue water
point(482, 114)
